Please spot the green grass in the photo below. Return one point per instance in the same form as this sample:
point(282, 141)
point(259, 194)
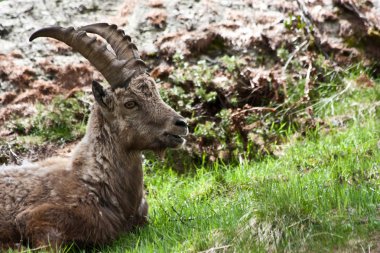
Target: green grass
point(322, 195)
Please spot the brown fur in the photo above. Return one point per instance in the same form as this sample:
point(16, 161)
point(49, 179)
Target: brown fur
point(98, 193)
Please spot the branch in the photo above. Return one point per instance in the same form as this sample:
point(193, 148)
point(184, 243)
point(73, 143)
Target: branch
point(259, 109)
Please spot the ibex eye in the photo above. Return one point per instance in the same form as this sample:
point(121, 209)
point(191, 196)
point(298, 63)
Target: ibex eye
point(130, 104)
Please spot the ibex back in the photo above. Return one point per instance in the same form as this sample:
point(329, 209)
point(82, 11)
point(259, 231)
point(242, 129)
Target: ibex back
point(98, 193)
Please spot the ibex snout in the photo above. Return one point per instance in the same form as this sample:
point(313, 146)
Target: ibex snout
point(176, 130)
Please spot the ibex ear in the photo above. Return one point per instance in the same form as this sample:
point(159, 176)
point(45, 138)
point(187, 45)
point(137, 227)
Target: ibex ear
point(101, 95)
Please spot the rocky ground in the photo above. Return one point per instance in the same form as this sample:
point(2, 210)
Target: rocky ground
point(239, 60)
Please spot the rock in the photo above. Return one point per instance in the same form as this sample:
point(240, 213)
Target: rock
point(6, 46)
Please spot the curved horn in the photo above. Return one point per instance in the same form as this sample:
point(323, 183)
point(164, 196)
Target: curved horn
point(120, 43)
point(115, 71)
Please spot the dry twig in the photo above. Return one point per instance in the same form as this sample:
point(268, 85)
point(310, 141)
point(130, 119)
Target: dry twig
point(258, 109)
point(307, 81)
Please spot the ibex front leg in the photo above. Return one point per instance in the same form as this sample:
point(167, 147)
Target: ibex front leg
point(141, 218)
point(9, 236)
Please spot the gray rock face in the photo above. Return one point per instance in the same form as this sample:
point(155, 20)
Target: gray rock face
point(19, 18)
point(188, 27)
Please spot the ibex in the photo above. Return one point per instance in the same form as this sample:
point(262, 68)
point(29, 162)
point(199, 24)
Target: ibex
point(98, 193)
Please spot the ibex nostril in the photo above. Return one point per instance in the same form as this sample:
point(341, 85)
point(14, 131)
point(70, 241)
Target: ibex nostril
point(180, 123)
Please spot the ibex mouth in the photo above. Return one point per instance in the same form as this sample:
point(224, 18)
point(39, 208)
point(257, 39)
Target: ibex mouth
point(174, 138)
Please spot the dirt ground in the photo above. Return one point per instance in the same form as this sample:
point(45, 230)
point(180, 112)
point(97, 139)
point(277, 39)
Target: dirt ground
point(343, 30)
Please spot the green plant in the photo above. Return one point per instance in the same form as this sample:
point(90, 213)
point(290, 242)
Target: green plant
point(231, 63)
point(64, 119)
point(216, 107)
point(294, 22)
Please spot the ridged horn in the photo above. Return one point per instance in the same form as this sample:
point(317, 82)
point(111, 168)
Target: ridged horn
point(116, 72)
point(120, 43)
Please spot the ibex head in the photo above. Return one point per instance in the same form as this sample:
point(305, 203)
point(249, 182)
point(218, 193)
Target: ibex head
point(131, 106)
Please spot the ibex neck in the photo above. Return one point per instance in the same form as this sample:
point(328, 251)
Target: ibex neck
point(101, 160)
point(104, 145)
